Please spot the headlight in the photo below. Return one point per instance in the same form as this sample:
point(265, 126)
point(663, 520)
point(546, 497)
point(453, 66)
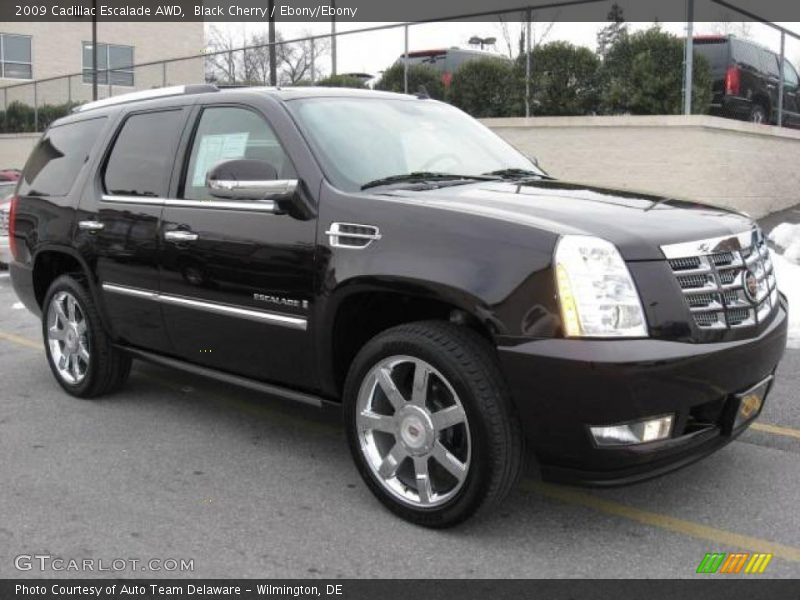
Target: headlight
point(596, 291)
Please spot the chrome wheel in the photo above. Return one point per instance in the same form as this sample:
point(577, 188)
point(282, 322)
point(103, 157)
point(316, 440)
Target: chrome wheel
point(67, 338)
point(413, 431)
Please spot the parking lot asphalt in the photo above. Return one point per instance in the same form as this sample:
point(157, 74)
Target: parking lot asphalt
point(178, 466)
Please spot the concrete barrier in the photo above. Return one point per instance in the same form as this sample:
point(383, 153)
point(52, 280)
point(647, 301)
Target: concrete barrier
point(15, 148)
point(753, 168)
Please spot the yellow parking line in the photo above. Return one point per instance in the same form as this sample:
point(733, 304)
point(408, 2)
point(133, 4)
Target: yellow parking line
point(719, 537)
point(22, 341)
point(776, 430)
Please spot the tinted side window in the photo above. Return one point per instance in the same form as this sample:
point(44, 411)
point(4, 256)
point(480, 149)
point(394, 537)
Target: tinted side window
point(789, 74)
point(141, 160)
point(769, 63)
point(227, 133)
point(715, 51)
point(57, 159)
point(746, 54)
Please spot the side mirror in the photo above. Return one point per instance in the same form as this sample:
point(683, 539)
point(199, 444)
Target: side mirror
point(249, 179)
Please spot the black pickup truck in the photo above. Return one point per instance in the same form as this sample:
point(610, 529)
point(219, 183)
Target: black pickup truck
point(391, 254)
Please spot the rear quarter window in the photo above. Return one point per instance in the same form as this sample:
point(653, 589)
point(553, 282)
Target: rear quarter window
point(716, 53)
point(58, 157)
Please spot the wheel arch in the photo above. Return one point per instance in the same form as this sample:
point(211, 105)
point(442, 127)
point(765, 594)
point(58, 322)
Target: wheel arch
point(52, 261)
point(764, 101)
point(361, 308)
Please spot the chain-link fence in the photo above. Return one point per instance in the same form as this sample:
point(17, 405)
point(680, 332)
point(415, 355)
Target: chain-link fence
point(530, 66)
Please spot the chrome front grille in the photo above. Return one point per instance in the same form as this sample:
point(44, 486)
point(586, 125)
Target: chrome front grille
point(727, 282)
point(3, 222)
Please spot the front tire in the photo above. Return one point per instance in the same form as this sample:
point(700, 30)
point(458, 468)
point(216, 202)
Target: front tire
point(430, 423)
point(79, 352)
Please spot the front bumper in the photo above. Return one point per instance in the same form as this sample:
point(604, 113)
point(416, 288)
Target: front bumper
point(561, 387)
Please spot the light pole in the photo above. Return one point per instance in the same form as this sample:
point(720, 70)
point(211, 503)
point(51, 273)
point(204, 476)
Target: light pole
point(94, 50)
point(479, 41)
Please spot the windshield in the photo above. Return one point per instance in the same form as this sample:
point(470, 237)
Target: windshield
point(363, 140)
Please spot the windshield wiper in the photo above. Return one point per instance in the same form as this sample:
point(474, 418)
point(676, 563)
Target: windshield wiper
point(422, 176)
point(518, 174)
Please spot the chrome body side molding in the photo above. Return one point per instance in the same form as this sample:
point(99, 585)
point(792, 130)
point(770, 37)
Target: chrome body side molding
point(267, 206)
point(261, 316)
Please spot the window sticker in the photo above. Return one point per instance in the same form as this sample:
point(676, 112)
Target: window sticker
point(216, 148)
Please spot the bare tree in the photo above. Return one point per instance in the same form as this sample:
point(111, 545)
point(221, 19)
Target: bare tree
point(513, 34)
point(222, 63)
point(297, 59)
point(228, 62)
point(257, 57)
point(741, 29)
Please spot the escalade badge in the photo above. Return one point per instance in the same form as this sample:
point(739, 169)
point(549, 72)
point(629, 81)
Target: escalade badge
point(750, 286)
point(280, 300)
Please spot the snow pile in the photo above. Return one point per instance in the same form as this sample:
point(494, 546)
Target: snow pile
point(787, 237)
point(786, 259)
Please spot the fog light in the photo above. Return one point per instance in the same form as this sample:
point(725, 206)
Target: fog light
point(635, 432)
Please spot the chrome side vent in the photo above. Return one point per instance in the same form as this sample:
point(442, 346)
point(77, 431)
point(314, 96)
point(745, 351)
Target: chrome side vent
point(352, 235)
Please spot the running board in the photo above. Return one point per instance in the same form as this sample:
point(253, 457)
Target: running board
point(252, 384)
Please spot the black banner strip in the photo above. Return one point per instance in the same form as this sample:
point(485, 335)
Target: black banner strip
point(344, 11)
point(712, 587)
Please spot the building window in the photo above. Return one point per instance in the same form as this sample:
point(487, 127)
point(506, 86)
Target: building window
point(15, 56)
point(114, 64)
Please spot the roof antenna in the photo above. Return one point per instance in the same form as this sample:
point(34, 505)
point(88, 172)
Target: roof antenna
point(422, 93)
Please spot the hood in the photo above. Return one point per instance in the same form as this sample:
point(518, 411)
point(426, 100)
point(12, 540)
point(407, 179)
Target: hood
point(637, 223)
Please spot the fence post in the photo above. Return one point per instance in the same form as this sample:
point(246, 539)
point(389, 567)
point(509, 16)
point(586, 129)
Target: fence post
point(688, 62)
point(333, 40)
point(273, 64)
point(528, 17)
point(313, 61)
point(780, 83)
point(35, 106)
point(405, 62)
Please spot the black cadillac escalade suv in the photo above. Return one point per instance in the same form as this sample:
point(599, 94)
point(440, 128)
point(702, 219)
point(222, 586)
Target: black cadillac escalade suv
point(391, 254)
point(746, 81)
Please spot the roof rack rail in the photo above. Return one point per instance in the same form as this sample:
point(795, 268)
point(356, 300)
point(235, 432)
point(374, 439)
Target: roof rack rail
point(176, 90)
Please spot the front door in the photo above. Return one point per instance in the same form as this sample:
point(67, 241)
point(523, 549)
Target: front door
point(236, 280)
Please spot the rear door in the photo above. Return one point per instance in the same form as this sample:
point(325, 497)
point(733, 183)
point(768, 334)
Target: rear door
point(237, 280)
point(119, 222)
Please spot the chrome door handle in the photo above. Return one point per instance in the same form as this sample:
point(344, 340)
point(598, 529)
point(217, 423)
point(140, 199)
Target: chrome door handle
point(180, 235)
point(90, 226)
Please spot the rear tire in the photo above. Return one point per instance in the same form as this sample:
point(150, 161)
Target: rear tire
point(758, 114)
point(80, 353)
point(445, 441)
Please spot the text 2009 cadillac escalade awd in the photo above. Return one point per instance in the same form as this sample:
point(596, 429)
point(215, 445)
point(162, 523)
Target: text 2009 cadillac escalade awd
point(390, 253)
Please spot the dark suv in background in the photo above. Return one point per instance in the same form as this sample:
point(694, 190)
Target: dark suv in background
point(746, 81)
